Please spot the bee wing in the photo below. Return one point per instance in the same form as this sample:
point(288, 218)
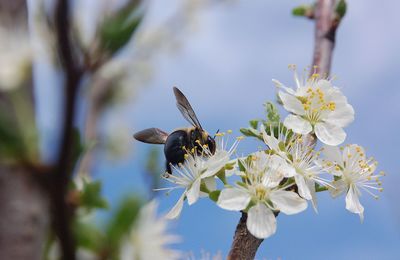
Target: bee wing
point(186, 109)
point(151, 136)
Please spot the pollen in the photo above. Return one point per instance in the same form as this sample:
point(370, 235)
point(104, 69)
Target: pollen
point(229, 131)
point(337, 168)
point(186, 156)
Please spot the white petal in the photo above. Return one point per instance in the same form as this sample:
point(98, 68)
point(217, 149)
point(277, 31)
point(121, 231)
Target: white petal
point(176, 210)
point(288, 202)
point(311, 187)
point(339, 187)
point(353, 203)
point(270, 140)
point(193, 192)
point(233, 199)
point(333, 154)
point(304, 191)
point(297, 124)
point(210, 183)
point(261, 221)
point(291, 103)
point(341, 116)
point(278, 84)
point(329, 134)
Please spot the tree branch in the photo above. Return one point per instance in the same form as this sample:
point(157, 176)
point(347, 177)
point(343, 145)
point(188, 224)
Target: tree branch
point(245, 245)
point(326, 24)
point(62, 213)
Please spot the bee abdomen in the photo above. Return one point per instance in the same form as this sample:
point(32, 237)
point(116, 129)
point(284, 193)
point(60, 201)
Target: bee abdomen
point(173, 149)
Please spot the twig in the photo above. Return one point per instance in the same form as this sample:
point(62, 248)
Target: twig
point(245, 245)
point(63, 170)
point(325, 35)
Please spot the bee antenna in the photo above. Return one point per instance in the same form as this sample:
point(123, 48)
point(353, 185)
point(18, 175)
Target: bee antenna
point(216, 133)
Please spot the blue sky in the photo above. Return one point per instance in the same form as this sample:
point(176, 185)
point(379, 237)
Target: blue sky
point(225, 66)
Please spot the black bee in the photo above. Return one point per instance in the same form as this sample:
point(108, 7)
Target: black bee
point(179, 142)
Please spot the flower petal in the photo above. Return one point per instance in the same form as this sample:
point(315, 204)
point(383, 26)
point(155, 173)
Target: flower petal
point(333, 154)
point(353, 203)
point(177, 209)
point(210, 183)
point(233, 199)
point(339, 187)
point(297, 124)
point(288, 202)
point(304, 191)
point(329, 134)
point(341, 116)
point(291, 103)
point(261, 221)
point(193, 192)
point(278, 84)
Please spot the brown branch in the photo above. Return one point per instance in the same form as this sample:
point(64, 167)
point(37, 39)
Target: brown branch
point(326, 24)
point(62, 213)
point(245, 245)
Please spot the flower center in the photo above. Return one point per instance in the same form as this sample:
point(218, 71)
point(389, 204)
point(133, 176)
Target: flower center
point(314, 103)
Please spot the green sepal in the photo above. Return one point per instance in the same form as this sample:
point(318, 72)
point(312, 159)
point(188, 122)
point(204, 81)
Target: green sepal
point(319, 188)
point(221, 175)
point(214, 195)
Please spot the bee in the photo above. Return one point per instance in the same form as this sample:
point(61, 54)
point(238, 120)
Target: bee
point(180, 141)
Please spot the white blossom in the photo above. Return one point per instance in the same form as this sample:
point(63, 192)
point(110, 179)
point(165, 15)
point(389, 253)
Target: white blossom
point(148, 238)
point(316, 106)
point(261, 191)
point(16, 57)
point(354, 172)
point(199, 169)
point(299, 158)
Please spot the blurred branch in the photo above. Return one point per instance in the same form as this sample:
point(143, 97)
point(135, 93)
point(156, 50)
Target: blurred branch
point(63, 170)
point(327, 15)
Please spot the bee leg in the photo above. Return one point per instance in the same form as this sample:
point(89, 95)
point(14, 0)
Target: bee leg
point(168, 170)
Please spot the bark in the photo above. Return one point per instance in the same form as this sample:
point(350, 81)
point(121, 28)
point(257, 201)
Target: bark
point(325, 35)
point(24, 214)
point(244, 245)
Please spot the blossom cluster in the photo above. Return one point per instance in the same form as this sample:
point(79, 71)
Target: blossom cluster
point(291, 169)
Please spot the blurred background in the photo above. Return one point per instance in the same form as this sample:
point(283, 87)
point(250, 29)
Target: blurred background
point(223, 55)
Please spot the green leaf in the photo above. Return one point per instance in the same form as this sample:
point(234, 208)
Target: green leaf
point(254, 123)
point(118, 29)
point(91, 196)
point(214, 195)
point(11, 144)
point(341, 8)
point(88, 236)
point(122, 221)
point(299, 11)
point(272, 113)
point(251, 132)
